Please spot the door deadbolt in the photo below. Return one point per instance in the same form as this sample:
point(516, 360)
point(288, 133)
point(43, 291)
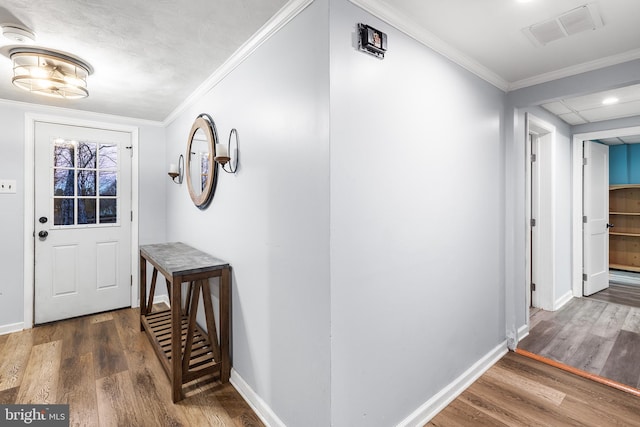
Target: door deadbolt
point(43, 219)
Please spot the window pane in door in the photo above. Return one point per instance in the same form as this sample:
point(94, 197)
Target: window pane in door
point(87, 155)
point(64, 155)
point(64, 211)
point(63, 182)
point(108, 156)
point(108, 183)
point(86, 211)
point(86, 183)
point(108, 211)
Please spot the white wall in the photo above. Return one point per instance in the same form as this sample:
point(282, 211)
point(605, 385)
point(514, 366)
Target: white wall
point(152, 170)
point(417, 287)
point(270, 221)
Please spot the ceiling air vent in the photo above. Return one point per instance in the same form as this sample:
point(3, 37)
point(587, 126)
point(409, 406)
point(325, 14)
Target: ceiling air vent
point(575, 21)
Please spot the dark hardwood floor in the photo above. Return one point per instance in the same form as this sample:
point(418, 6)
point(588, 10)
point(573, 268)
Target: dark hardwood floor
point(519, 391)
point(599, 337)
point(108, 373)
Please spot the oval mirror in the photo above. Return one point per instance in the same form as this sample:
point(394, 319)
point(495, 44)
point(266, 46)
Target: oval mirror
point(201, 170)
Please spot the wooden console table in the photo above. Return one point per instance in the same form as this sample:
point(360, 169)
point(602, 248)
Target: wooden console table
point(175, 331)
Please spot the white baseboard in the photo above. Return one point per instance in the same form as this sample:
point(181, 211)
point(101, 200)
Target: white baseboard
point(13, 327)
point(564, 299)
point(259, 406)
point(437, 403)
point(157, 299)
point(523, 332)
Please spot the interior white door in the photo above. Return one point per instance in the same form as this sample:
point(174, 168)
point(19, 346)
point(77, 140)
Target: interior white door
point(82, 221)
point(596, 211)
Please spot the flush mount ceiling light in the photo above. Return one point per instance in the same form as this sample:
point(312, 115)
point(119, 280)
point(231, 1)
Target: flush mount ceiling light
point(49, 72)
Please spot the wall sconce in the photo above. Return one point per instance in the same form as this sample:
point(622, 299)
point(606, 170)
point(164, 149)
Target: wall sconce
point(229, 154)
point(177, 171)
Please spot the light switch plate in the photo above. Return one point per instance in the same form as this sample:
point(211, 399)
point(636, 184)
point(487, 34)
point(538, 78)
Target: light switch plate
point(7, 186)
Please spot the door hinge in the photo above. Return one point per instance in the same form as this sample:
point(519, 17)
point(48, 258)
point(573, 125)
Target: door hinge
point(584, 161)
point(131, 280)
point(533, 286)
point(585, 277)
point(533, 158)
point(584, 219)
point(533, 222)
point(131, 216)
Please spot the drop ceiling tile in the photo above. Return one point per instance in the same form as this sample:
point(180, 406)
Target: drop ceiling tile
point(609, 112)
point(594, 100)
point(557, 108)
point(634, 139)
point(611, 141)
point(573, 119)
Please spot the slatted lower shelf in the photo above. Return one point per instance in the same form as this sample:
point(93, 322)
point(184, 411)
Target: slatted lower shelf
point(201, 361)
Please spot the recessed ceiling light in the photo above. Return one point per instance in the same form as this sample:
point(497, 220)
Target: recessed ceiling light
point(610, 100)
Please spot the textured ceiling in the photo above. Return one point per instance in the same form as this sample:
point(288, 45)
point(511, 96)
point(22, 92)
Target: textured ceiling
point(148, 55)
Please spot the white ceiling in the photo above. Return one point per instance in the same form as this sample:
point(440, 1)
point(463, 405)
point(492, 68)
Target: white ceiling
point(149, 56)
point(490, 33)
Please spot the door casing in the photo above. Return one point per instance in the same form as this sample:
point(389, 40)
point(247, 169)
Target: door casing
point(545, 223)
point(29, 190)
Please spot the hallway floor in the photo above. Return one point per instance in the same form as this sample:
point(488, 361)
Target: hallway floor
point(108, 373)
point(595, 336)
point(522, 392)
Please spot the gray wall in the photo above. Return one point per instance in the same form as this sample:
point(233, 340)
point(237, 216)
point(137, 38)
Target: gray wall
point(270, 221)
point(152, 170)
point(417, 287)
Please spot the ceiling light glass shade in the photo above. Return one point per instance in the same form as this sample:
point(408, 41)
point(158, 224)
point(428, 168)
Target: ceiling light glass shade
point(50, 73)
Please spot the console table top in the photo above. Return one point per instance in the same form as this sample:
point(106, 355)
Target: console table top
point(179, 259)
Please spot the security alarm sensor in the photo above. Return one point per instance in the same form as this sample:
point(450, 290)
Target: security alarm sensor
point(372, 41)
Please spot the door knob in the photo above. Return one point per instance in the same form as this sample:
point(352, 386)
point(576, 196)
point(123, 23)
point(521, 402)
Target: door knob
point(43, 234)
point(609, 225)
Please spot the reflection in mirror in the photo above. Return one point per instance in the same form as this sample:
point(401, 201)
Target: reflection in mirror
point(199, 167)
point(201, 171)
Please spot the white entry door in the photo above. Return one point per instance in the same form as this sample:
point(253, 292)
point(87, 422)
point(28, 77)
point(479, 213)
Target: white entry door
point(82, 221)
point(596, 211)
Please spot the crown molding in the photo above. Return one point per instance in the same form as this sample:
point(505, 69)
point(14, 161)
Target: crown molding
point(411, 28)
point(279, 20)
point(597, 64)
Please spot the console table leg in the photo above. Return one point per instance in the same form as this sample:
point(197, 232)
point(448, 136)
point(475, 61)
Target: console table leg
point(225, 302)
point(176, 341)
point(143, 289)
